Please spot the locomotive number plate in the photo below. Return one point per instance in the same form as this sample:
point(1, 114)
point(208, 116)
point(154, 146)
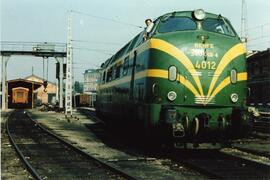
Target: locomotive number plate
point(211, 65)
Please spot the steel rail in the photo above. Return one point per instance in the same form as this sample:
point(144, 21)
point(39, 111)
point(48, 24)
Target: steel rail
point(204, 170)
point(207, 167)
point(252, 151)
point(17, 149)
point(79, 151)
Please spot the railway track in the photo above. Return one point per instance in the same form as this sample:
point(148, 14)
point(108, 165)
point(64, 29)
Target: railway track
point(216, 164)
point(90, 113)
point(262, 123)
point(262, 126)
point(47, 156)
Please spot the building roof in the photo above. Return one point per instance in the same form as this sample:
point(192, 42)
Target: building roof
point(37, 77)
point(36, 84)
point(91, 71)
point(259, 55)
point(24, 80)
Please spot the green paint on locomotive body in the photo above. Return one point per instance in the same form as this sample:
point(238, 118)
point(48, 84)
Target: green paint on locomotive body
point(213, 55)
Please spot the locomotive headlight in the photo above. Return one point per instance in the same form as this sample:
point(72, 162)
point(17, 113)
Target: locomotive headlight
point(234, 97)
point(172, 95)
point(199, 14)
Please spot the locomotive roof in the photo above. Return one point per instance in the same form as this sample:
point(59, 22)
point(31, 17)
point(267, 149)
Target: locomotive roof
point(134, 42)
point(189, 14)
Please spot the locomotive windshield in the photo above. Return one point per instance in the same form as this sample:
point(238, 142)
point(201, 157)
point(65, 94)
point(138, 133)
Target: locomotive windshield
point(177, 24)
point(174, 23)
point(218, 25)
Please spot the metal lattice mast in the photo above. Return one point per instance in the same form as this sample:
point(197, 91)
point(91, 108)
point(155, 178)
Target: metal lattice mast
point(68, 94)
point(243, 19)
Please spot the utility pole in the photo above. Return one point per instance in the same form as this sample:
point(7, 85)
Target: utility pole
point(244, 21)
point(68, 93)
point(4, 60)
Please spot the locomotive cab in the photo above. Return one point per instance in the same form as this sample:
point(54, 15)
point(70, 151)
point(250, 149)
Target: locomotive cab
point(206, 73)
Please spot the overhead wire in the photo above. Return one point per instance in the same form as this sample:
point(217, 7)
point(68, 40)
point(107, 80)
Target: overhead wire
point(93, 50)
point(98, 42)
point(259, 44)
point(259, 37)
point(95, 42)
point(106, 19)
point(255, 27)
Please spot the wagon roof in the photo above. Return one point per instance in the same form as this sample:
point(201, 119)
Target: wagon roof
point(18, 88)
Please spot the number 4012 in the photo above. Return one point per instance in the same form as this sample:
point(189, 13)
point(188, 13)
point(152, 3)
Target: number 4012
point(205, 65)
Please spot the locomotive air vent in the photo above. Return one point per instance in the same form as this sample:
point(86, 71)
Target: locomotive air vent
point(204, 100)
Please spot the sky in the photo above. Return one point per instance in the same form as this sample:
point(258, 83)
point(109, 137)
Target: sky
point(96, 39)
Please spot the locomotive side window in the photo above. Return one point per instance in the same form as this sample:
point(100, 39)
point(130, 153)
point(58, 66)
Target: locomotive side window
point(117, 71)
point(218, 25)
point(109, 75)
point(233, 76)
point(125, 68)
point(172, 73)
point(172, 24)
point(104, 76)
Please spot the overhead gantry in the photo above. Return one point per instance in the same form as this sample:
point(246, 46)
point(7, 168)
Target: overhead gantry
point(44, 50)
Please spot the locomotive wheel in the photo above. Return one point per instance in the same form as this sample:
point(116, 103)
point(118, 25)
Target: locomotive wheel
point(195, 126)
point(185, 123)
point(222, 123)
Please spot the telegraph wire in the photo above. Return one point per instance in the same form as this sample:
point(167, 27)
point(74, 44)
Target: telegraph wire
point(259, 37)
point(106, 19)
point(94, 50)
point(259, 44)
point(95, 42)
point(257, 27)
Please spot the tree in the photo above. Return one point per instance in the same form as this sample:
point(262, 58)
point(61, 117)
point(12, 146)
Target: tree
point(78, 87)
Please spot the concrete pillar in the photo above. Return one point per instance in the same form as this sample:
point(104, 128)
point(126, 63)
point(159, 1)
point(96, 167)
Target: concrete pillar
point(61, 77)
point(57, 91)
point(4, 80)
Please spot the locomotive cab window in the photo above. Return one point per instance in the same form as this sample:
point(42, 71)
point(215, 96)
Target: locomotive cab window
point(104, 77)
point(117, 71)
point(171, 24)
point(125, 68)
point(218, 26)
point(109, 75)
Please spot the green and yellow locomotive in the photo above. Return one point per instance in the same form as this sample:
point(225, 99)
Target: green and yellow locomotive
point(183, 79)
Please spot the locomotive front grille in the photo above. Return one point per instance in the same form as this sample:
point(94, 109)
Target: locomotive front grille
point(204, 100)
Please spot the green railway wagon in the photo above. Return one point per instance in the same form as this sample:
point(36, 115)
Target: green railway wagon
point(184, 80)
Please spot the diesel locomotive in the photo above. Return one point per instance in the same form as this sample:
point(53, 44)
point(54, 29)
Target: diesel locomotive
point(184, 80)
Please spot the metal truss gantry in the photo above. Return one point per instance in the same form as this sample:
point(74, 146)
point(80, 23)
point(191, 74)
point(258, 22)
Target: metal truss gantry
point(9, 49)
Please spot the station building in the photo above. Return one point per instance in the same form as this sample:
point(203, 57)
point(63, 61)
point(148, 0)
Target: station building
point(44, 97)
point(91, 78)
point(258, 65)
